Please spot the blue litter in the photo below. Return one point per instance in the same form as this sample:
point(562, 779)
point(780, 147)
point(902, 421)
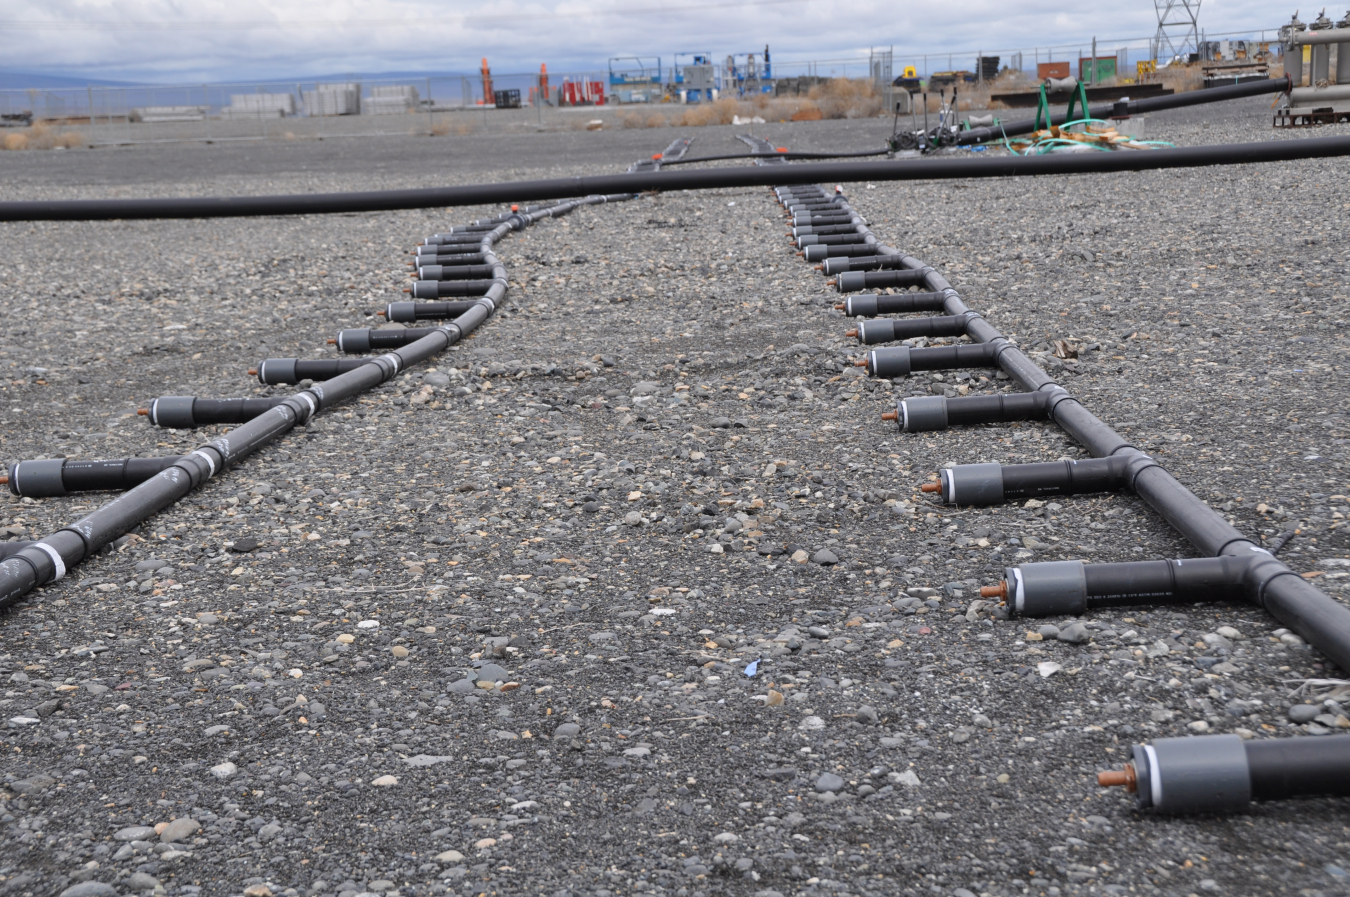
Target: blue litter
point(753, 668)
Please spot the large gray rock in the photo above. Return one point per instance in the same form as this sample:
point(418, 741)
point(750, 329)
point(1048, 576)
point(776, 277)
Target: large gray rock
point(90, 889)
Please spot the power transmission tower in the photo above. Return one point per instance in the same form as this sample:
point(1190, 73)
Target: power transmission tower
point(1178, 34)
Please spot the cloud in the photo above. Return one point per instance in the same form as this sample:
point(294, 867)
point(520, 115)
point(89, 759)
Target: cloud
point(211, 40)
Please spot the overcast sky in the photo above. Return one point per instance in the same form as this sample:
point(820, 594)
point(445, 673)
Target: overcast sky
point(215, 40)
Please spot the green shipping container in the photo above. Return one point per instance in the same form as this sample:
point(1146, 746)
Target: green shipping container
point(1106, 68)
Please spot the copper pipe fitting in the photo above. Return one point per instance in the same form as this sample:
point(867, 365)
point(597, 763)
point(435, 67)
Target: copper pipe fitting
point(1117, 778)
point(931, 487)
point(999, 591)
point(890, 415)
point(853, 332)
point(253, 372)
point(380, 313)
point(332, 342)
point(828, 283)
point(143, 412)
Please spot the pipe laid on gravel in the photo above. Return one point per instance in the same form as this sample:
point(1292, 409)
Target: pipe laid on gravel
point(51, 477)
point(708, 179)
point(1298, 604)
point(925, 414)
point(407, 312)
point(1224, 773)
point(186, 412)
point(982, 485)
point(48, 559)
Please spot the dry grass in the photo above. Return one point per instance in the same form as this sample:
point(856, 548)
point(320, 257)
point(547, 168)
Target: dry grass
point(41, 136)
point(847, 98)
point(443, 128)
point(839, 98)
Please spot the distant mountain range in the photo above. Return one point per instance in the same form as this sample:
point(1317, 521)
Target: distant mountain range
point(31, 80)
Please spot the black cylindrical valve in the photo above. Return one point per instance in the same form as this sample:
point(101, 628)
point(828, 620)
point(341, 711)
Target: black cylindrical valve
point(186, 412)
point(454, 272)
point(821, 253)
point(852, 238)
point(60, 476)
point(1224, 773)
point(289, 371)
point(898, 361)
point(441, 289)
point(825, 230)
point(354, 342)
point(453, 258)
point(923, 414)
point(1071, 587)
point(853, 281)
point(990, 484)
point(869, 305)
point(871, 262)
point(889, 330)
point(407, 312)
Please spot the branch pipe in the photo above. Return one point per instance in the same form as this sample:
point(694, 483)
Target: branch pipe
point(1224, 773)
point(50, 477)
point(899, 361)
point(408, 312)
point(869, 305)
point(187, 412)
point(981, 485)
point(889, 330)
point(926, 414)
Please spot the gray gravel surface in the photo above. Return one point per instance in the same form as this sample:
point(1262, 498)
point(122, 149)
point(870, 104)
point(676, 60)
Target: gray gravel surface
point(486, 629)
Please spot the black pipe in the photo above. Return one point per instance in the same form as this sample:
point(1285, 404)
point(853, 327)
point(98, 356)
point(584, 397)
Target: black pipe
point(828, 230)
point(290, 371)
point(1125, 108)
point(442, 289)
point(447, 243)
point(1295, 602)
point(850, 237)
point(472, 258)
point(790, 156)
point(820, 252)
point(1072, 587)
point(978, 485)
point(47, 560)
point(13, 547)
point(869, 305)
point(408, 312)
point(924, 414)
point(873, 262)
point(716, 178)
point(454, 272)
point(186, 412)
point(889, 330)
point(49, 477)
point(353, 342)
point(898, 361)
point(1224, 773)
point(852, 281)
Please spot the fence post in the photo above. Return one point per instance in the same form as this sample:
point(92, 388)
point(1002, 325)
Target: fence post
point(431, 120)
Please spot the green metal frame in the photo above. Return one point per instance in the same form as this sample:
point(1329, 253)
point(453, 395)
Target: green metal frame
point(1078, 97)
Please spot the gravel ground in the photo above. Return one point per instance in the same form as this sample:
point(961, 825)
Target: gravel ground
point(653, 468)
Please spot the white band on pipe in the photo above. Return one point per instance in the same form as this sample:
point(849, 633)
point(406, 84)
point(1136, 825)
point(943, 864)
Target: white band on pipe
point(313, 408)
point(1154, 777)
point(210, 462)
point(55, 555)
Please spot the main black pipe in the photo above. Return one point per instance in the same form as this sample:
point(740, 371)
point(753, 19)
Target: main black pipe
point(1124, 108)
point(756, 176)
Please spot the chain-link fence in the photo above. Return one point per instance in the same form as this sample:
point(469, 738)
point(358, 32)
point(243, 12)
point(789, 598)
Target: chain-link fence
point(463, 104)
